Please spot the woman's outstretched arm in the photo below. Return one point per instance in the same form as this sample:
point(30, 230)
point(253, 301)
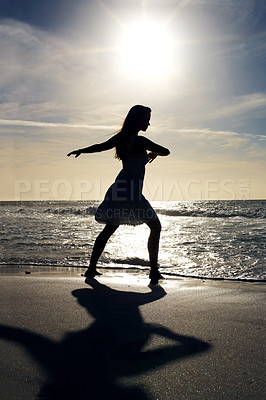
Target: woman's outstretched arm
point(96, 148)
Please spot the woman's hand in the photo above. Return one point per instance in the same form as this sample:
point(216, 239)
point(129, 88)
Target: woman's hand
point(75, 152)
point(151, 156)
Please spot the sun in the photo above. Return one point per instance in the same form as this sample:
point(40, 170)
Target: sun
point(146, 50)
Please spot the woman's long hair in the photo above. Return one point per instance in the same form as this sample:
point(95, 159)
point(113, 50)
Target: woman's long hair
point(129, 130)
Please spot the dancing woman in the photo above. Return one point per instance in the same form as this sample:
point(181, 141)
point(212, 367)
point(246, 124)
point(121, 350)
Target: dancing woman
point(124, 202)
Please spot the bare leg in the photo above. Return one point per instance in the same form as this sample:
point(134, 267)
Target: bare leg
point(98, 247)
point(153, 248)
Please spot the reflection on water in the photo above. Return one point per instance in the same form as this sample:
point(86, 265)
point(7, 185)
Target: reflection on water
point(208, 239)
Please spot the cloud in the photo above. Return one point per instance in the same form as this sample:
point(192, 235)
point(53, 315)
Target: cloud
point(206, 132)
point(219, 147)
point(43, 75)
point(10, 122)
point(237, 112)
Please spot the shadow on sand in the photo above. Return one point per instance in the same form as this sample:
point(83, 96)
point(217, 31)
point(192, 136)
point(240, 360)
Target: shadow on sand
point(87, 364)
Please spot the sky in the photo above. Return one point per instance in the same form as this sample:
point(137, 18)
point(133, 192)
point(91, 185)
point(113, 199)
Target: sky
point(71, 70)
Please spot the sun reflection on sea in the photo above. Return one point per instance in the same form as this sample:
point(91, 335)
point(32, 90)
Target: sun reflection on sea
point(128, 246)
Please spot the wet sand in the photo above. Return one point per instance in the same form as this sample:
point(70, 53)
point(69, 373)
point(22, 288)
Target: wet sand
point(115, 337)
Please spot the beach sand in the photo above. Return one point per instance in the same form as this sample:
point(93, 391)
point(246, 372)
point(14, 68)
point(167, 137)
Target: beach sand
point(117, 338)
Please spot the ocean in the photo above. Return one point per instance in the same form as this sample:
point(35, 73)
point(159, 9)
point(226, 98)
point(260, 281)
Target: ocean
point(207, 239)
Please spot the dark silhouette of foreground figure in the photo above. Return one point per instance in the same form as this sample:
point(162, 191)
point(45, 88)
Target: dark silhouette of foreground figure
point(87, 364)
point(124, 202)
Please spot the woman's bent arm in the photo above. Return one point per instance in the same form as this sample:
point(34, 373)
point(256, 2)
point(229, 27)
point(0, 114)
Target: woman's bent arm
point(153, 147)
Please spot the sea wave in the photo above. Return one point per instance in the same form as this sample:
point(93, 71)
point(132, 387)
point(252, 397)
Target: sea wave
point(208, 239)
point(73, 211)
point(198, 213)
point(212, 214)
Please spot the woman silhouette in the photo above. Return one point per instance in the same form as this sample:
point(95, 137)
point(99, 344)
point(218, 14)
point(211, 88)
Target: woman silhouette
point(124, 202)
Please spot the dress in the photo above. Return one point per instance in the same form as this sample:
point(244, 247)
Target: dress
point(124, 202)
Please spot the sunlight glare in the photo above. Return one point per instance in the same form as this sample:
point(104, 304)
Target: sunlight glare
point(146, 50)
